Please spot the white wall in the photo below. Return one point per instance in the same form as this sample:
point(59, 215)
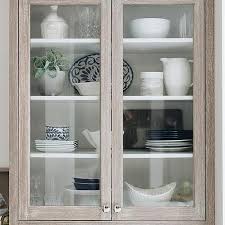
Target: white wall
point(4, 75)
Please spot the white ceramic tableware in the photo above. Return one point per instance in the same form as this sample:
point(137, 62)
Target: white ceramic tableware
point(92, 137)
point(72, 197)
point(147, 197)
point(177, 75)
point(52, 84)
point(170, 149)
point(88, 88)
point(150, 28)
point(151, 83)
point(53, 26)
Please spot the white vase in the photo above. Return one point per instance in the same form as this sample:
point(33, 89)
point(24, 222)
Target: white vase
point(52, 82)
point(53, 26)
point(177, 75)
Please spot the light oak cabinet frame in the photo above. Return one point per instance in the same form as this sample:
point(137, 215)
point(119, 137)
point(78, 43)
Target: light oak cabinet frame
point(21, 214)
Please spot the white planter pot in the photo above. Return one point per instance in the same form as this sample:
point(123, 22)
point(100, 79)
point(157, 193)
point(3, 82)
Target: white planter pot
point(52, 83)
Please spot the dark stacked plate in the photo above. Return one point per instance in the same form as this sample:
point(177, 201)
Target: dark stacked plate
point(169, 140)
point(86, 183)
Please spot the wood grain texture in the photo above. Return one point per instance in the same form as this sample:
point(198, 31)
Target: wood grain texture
point(13, 113)
point(64, 2)
point(160, 213)
point(24, 108)
point(27, 212)
point(117, 106)
point(210, 114)
point(106, 88)
point(112, 223)
point(158, 2)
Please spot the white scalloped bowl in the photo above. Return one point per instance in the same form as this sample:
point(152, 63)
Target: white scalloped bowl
point(147, 197)
point(150, 28)
point(88, 88)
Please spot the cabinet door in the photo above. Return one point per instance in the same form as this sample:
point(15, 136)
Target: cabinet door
point(158, 110)
point(65, 110)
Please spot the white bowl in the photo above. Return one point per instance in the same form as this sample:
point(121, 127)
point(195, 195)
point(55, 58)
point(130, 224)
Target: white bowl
point(93, 137)
point(148, 197)
point(88, 88)
point(150, 28)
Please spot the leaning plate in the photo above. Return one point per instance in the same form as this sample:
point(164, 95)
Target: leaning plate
point(170, 149)
point(87, 69)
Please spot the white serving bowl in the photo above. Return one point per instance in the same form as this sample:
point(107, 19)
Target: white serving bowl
point(148, 197)
point(150, 28)
point(88, 88)
point(93, 137)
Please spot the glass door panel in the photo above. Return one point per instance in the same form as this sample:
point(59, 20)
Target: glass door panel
point(161, 130)
point(158, 112)
point(65, 105)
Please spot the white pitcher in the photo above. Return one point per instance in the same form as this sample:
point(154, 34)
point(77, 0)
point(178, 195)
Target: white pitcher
point(177, 75)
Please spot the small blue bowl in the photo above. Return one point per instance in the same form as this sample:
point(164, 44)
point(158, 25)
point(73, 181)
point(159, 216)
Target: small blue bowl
point(86, 186)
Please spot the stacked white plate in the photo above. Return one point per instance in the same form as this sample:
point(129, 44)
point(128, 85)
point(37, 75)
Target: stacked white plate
point(56, 146)
point(169, 145)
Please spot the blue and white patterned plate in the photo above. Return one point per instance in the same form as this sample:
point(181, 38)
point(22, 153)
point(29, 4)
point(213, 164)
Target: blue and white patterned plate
point(87, 69)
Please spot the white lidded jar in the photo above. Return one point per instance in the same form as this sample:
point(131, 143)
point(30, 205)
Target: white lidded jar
point(151, 83)
point(53, 26)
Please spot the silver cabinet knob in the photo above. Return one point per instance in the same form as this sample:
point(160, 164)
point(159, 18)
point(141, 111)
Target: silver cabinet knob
point(106, 209)
point(117, 209)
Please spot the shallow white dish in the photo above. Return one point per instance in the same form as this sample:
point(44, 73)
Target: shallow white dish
point(170, 149)
point(88, 88)
point(55, 142)
point(71, 196)
point(169, 144)
point(150, 28)
point(93, 137)
point(56, 150)
point(147, 197)
point(169, 141)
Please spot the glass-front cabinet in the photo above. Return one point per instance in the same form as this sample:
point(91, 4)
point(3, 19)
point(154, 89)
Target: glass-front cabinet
point(112, 111)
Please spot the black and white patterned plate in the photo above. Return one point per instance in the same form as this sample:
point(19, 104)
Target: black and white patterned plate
point(87, 69)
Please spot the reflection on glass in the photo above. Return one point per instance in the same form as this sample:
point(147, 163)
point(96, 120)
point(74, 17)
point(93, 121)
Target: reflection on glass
point(158, 112)
point(65, 113)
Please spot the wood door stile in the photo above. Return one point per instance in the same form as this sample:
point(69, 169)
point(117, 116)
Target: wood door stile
point(14, 116)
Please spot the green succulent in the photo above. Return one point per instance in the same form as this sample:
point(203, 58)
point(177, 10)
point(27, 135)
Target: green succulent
point(51, 62)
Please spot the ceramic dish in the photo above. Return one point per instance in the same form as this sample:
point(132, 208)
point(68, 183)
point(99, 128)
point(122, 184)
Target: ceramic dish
point(93, 137)
point(86, 180)
point(144, 197)
point(87, 69)
point(57, 133)
point(72, 197)
point(88, 88)
point(86, 186)
point(170, 149)
point(150, 28)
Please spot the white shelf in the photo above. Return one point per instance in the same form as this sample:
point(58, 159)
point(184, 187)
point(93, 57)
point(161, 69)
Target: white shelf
point(158, 98)
point(131, 154)
point(157, 45)
point(131, 45)
point(64, 98)
point(82, 154)
point(80, 45)
point(125, 98)
point(141, 154)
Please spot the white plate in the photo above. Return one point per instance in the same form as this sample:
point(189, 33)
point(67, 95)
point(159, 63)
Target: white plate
point(52, 146)
point(55, 150)
point(163, 141)
point(171, 149)
point(178, 144)
point(82, 192)
point(55, 142)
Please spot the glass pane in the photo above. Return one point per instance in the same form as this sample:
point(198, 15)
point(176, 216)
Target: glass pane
point(158, 105)
point(65, 105)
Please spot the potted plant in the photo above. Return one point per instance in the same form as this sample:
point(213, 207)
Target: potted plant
point(49, 70)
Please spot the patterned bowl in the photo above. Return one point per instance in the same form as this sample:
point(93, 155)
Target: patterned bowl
point(57, 133)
